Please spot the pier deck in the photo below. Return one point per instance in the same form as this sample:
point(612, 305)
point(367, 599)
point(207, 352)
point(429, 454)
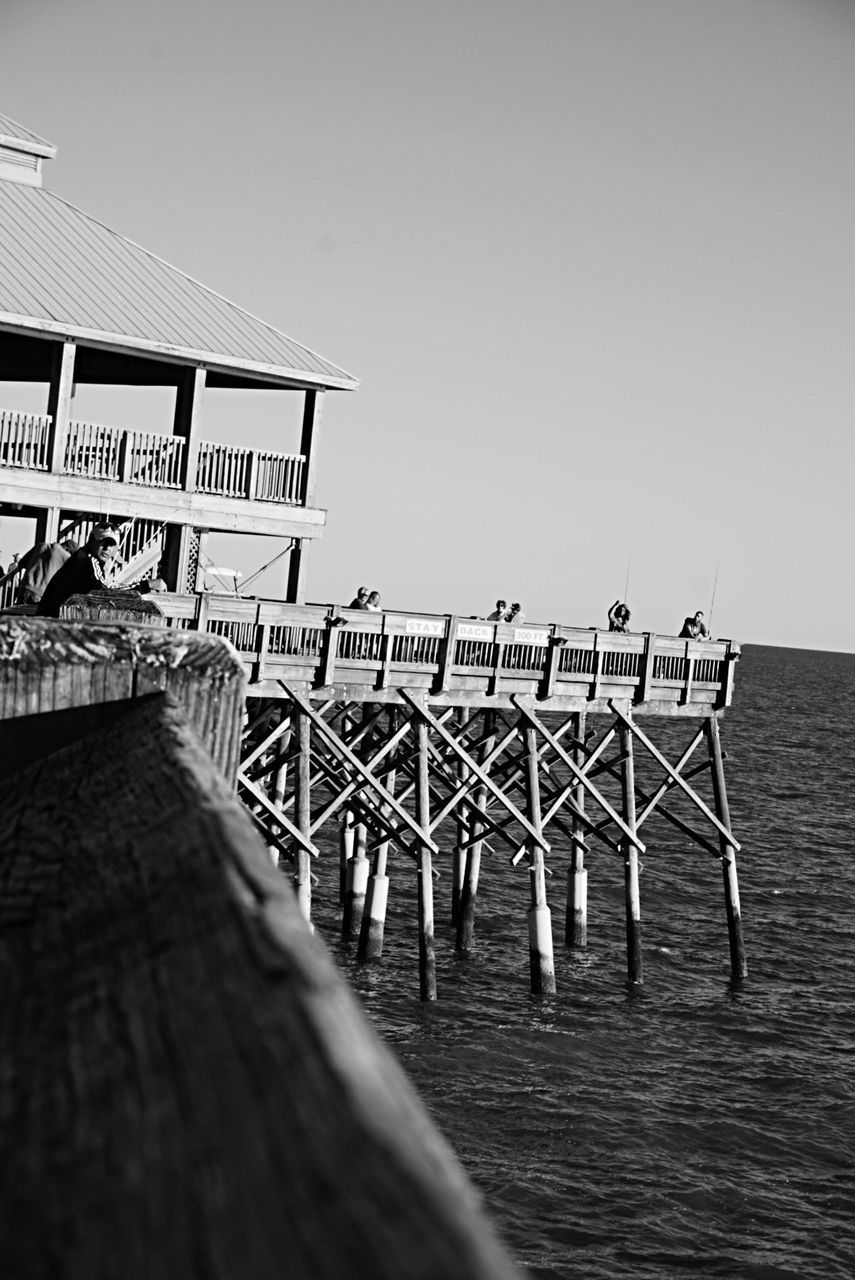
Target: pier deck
point(347, 654)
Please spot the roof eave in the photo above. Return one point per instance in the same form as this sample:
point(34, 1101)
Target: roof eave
point(31, 147)
point(181, 355)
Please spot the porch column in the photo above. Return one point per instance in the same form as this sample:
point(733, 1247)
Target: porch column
point(188, 421)
point(313, 406)
point(60, 396)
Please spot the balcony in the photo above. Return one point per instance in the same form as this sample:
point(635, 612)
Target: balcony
point(143, 458)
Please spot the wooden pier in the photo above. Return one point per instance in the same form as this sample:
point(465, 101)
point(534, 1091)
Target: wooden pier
point(522, 735)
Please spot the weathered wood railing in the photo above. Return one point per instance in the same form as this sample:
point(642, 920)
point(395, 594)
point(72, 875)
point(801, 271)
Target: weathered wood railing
point(189, 1089)
point(24, 440)
point(371, 655)
point(101, 452)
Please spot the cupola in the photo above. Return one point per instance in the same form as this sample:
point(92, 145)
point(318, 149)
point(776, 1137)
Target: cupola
point(22, 153)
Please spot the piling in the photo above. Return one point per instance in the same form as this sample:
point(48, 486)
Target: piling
point(458, 861)
point(370, 945)
point(356, 887)
point(576, 922)
point(427, 955)
point(631, 866)
point(465, 939)
point(302, 872)
point(738, 960)
point(541, 961)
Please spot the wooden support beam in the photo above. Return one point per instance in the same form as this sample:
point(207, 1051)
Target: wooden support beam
point(630, 724)
point(475, 769)
point(578, 774)
point(541, 963)
point(576, 918)
point(738, 961)
point(303, 814)
point(427, 954)
point(335, 743)
point(634, 967)
point(669, 781)
point(187, 422)
point(277, 814)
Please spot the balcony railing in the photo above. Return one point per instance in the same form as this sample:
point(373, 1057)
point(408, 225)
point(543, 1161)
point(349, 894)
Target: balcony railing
point(25, 441)
point(101, 452)
point(322, 647)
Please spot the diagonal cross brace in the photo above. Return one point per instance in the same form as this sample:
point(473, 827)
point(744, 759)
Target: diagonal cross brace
point(335, 743)
point(476, 771)
point(277, 814)
point(579, 775)
point(669, 769)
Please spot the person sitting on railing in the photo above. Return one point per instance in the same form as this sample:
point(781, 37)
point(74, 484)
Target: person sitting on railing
point(39, 565)
point(619, 616)
point(373, 602)
point(359, 601)
point(694, 628)
point(499, 613)
point(89, 569)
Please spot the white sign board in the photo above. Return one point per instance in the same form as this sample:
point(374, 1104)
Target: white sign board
point(530, 635)
point(425, 627)
point(472, 631)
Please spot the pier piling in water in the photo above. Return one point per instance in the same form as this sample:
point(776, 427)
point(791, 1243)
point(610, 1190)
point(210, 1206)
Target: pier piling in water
point(632, 893)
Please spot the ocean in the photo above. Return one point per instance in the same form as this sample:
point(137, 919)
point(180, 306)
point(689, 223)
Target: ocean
point(682, 1127)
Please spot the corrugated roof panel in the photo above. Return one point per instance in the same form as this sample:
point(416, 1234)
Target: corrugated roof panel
point(14, 132)
point(63, 269)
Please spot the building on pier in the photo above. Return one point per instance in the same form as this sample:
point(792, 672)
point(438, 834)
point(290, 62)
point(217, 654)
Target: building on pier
point(343, 706)
point(81, 304)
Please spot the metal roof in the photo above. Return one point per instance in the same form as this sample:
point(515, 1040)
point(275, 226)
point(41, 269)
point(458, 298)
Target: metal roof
point(13, 134)
point(64, 273)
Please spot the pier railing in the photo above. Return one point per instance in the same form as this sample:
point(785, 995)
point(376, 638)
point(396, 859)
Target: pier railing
point(371, 655)
point(101, 452)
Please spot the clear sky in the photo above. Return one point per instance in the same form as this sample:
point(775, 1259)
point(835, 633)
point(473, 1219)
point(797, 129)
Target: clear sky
point(592, 260)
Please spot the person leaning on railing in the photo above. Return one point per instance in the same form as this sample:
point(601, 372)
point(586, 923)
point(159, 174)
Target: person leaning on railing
point(89, 569)
point(41, 563)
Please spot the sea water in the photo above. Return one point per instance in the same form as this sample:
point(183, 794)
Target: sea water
point(683, 1127)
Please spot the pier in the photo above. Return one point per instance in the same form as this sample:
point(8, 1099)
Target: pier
point(187, 1070)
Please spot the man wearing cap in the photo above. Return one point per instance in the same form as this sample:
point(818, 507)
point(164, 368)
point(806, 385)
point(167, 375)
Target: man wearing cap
point(89, 569)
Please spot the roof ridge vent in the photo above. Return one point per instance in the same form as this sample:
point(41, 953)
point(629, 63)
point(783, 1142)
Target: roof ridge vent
point(22, 153)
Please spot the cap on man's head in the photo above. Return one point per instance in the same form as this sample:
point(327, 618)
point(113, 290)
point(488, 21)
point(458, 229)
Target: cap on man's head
point(104, 533)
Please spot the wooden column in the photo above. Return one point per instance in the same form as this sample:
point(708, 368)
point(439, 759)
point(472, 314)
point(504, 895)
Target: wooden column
point(377, 895)
point(188, 421)
point(738, 961)
point(472, 869)
point(47, 525)
point(280, 776)
point(458, 857)
point(302, 872)
point(313, 409)
point(630, 855)
point(576, 921)
point(60, 395)
point(298, 569)
point(356, 886)
point(427, 956)
point(539, 919)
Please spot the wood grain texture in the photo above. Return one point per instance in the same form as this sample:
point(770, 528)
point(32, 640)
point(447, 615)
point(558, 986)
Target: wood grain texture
point(188, 1087)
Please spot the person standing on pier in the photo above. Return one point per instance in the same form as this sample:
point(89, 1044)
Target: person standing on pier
point(619, 616)
point(373, 602)
point(694, 628)
point(89, 569)
point(359, 601)
point(499, 613)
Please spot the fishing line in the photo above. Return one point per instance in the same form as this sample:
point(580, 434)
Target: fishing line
point(712, 601)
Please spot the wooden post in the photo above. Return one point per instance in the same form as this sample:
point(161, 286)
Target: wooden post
point(427, 956)
point(302, 873)
point(630, 854)
point(377, 896)
point(347, 835)
point(576, 922)
point(60, 395)
point(738, 961)
point(355, 886)
point(188, 421)
point(472, 869)
point(458, 858)
point(539, 918)
point(280, 777)
point(298, 568)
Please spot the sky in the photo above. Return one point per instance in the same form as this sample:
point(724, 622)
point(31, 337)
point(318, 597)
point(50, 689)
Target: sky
point(591, 260)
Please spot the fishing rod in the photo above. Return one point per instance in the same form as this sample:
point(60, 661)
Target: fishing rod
point(252, 577)
point(712, 601)
point(626, 584)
